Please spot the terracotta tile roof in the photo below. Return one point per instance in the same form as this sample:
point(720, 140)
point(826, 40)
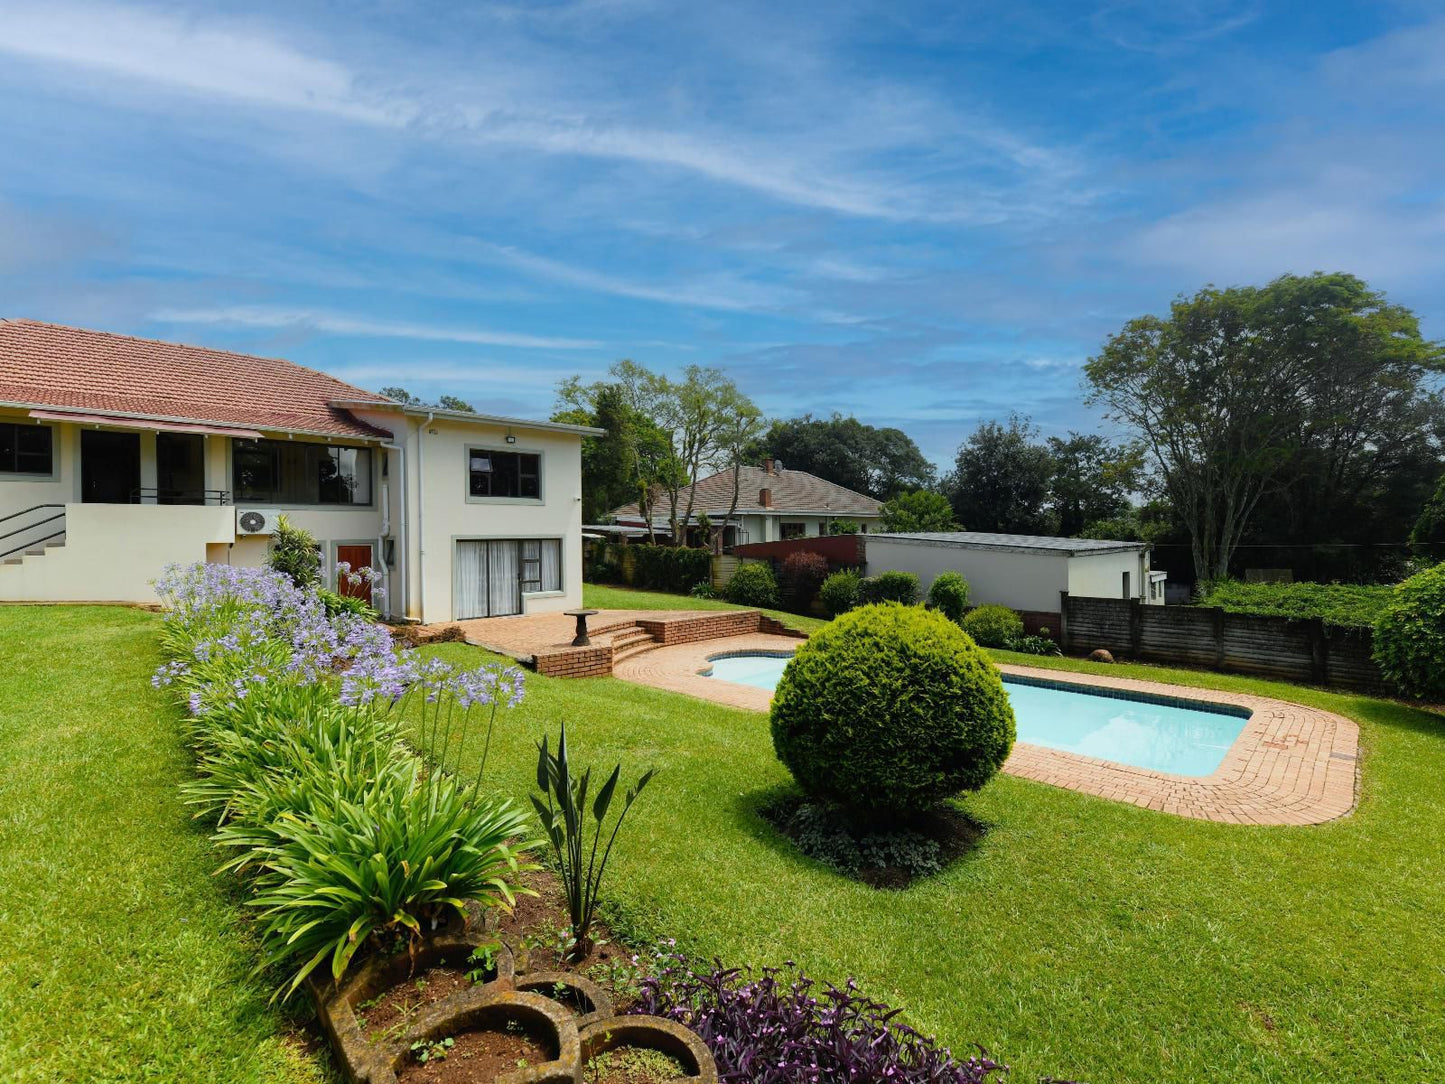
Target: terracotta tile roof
point(49, 365)
point(793, 492)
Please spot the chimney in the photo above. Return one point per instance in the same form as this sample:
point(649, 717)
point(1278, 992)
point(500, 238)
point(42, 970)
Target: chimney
point(767, 466)
point(765, 498)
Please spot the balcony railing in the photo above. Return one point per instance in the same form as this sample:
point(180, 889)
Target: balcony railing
point(158, 495)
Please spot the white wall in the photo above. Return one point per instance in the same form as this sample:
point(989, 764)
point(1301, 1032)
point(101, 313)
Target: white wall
point(1101, 575)
point(1022, 581)
point(442, 511)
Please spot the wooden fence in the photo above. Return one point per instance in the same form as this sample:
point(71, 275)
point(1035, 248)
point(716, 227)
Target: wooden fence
point(1273, 647)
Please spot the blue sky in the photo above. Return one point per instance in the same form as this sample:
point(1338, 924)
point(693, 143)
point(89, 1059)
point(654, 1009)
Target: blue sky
point(924, 214)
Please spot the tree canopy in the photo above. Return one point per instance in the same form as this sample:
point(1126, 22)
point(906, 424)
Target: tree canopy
point(845, 451)
point(1308, 395)
point(1000, 479)
point(920, 510)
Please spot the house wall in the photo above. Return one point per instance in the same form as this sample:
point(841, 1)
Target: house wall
point(442, 512)
point(1101, 575)
point(1019, 580)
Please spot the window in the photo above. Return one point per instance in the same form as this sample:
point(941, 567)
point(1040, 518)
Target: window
point(504, 474)
point(26, 449)
point(794, 530)
point(294, 472)
point(541, 565)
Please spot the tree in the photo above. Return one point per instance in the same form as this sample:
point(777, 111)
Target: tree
point(1000, 480)
point(1092, 480)
point(446, 402)
point(1240, 390)
point(1429, 529)
point(451, 402)
point(921, 510)
point(401, 395)
point(877, 462)
point(711, 423)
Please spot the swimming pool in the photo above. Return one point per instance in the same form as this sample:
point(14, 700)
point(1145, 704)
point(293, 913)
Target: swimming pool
point(1159, 733)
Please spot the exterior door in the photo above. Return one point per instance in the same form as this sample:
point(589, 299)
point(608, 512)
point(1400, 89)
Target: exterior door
point(357, 556)
point(109, 467)
point(487, 579)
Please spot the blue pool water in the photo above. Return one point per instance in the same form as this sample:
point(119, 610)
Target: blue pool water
point(1175, 738)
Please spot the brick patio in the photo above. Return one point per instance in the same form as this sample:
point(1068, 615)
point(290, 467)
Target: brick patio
point(1291, 765)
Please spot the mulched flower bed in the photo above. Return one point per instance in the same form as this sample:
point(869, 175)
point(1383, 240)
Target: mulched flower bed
point(477, 1057)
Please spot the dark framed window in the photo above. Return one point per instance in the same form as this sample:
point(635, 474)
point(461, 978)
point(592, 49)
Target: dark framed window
point(26, 449)
point(492, 473)
point(794, 530)
point(294, 472)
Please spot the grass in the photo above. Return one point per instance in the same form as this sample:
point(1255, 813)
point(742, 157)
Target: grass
point(123, 958)
point(599, 596)
point(1084, 938)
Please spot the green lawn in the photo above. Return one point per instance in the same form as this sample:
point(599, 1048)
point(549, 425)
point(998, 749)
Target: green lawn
point(600, 596)
point(1084, 938)
point(123, 960)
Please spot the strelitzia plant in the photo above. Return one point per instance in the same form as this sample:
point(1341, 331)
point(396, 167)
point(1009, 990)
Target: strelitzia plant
point(562, 807)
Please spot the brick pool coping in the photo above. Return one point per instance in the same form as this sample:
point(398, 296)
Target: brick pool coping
point(1291, 764)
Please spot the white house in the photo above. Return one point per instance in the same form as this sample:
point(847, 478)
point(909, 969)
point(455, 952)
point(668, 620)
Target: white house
point(120, 455)
point(772, 504)
point(1023, 572)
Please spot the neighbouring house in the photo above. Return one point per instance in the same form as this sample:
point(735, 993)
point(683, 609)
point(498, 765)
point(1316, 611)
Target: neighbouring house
point(1024, 572)
point(772, 504)
point(120, 455)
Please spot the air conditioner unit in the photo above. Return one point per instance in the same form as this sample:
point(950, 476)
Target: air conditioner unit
point(256, 520)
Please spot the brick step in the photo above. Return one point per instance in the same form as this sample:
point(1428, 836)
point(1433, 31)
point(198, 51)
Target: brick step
point(629, 637)
point(636, 647)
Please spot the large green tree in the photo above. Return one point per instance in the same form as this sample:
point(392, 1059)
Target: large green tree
point(1000, 480)
point(1092, 480)
point(863, 458)
point(1310, 384)
point(919, 510)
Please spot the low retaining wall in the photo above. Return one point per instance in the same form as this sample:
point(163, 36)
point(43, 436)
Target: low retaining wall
point(1273, 647)
point(685, 628)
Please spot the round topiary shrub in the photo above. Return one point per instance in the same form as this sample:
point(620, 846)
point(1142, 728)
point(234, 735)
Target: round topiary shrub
point(993, 625)
point(753, 585)
point(1410, 636)
point(949, 595)
point(889, 587)
point(890, 709)
point(839, 592)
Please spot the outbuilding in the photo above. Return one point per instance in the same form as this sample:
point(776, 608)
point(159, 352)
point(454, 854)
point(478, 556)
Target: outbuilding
point(1027, 573)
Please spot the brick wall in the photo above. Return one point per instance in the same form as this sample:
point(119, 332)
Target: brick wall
point(710, 627)
point(576, 662)
point(1271, 647)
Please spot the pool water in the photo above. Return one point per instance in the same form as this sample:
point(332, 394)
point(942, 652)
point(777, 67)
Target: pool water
point(1177, 738)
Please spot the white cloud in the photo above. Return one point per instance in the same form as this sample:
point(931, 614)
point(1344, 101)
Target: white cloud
point(344, 324)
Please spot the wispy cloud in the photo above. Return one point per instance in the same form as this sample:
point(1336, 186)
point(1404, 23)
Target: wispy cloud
point(257, 316)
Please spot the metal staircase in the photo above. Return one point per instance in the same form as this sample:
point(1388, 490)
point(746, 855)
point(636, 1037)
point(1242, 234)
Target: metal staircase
point(39, 528)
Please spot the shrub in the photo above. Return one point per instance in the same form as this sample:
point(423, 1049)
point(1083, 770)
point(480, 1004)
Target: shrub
point(337, 603)
point(844, 526)
point(890, 709)
point(993, 625)
point(1347, 604)
point(803, 574)
point(839, 592)
point(1410, 636)
point(703, 589)
point(779, 1028)
point(949, 595)
point(1034, 645)
point(753, 585)
point(889, 587)
point(668, 568)
point(296, 553)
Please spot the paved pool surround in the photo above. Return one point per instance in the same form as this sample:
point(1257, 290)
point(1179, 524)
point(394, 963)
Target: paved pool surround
point(1290, 765)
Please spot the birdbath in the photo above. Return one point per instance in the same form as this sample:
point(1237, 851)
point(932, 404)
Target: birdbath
point(581, 639)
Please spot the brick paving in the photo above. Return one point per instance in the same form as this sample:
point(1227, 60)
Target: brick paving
point(1291, 764)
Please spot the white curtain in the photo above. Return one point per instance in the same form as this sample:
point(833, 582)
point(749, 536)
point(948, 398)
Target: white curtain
point(503, 568)
point(551, 564)
point(470, 578)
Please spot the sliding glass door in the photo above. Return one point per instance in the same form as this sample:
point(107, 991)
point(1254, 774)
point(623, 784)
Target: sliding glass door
point(490, 576)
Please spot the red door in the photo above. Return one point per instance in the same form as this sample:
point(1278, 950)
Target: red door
point(358, 557)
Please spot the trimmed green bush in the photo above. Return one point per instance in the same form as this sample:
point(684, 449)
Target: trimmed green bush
point(889, 710)
point(949, 595)
point(840, 591)
point(296, 553)
point(899, 587)
point(669, 568)
point(753, 585)
point(993, 625)
point(1410, 636)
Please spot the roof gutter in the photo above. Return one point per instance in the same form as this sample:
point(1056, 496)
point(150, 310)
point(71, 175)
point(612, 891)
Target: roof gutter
point(122, 415)
point(468, 416)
